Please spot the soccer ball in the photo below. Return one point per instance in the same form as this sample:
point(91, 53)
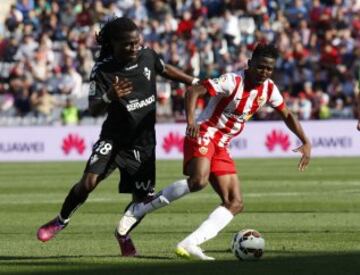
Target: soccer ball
point(248, 245)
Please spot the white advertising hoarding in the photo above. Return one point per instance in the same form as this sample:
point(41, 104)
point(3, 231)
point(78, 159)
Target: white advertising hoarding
point(258, 139)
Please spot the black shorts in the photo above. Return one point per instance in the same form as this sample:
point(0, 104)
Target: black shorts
point(136, 165)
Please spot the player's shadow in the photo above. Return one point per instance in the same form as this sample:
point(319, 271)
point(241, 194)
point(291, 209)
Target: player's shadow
point(308, 263)
point(66, 257)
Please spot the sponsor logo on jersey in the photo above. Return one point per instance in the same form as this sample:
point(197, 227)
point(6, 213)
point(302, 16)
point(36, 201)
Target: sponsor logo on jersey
point(142, 185)
point(135, 104)
point(131, 67)
point(203, 150)
point(147, 73)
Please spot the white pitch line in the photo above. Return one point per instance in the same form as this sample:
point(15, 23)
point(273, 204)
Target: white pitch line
point(10, 199)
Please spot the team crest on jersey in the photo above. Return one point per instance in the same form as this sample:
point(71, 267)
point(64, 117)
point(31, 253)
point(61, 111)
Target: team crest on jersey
point(147, 73)
point(92, 88)
point(220, 79)
point(203, 150)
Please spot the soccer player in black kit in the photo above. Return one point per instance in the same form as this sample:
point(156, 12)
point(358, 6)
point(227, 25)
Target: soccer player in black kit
point(123, 85)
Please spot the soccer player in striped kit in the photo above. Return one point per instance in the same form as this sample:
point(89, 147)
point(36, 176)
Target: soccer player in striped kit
point(235, 97)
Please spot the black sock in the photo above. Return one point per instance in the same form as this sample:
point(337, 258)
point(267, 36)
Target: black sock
point(72, 202)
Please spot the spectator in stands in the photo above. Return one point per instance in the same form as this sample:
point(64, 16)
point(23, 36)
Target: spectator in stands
point(11, 46)
point(6, 102)
point(318, 40)
point(70, 113)
point(13, 19)
point(21, 97)
point(304, 107)
point(27, 48)
point(42, 102)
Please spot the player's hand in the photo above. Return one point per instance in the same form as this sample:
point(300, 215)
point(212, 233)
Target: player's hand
point(192, 130)
point(121, 87)
point(305, 151)
point(358, 125)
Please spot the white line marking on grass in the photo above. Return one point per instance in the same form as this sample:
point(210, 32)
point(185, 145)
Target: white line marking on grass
point(21, 199)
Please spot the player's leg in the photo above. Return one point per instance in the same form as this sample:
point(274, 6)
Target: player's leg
point(227, 188)
point(137, 167)
point(197, 180)
point(99, 166)
point(196, 166)
point(229, 191)
point(226, 184)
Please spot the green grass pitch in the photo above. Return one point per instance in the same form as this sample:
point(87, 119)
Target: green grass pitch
point(310, 221)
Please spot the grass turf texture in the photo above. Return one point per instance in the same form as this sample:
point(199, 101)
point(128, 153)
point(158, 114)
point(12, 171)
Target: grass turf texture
point(310, 221)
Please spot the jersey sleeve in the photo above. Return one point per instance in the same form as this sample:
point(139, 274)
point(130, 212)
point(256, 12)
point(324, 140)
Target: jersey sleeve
point(275, 99)
point(223, 85)
point(97, 86)
point(159, 64)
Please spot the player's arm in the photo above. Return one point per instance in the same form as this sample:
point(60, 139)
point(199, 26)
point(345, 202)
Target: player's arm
point(119, 88)
point(191, 98)
point(294, 125)
point(173, 73)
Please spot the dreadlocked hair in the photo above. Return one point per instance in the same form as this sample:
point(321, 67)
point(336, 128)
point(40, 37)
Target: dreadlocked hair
point(265, 50)
point(113, 29)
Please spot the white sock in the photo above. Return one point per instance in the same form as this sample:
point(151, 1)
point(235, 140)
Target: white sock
point(170, 193)
point(176, 190)
point(216, 221)
point(62, 220)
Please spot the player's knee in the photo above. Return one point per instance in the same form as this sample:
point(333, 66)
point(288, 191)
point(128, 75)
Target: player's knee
point(88, 183)
point(197, 183)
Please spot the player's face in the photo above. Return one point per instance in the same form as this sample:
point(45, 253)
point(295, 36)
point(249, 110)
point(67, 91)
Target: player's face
point(126, 47)
point(261, 69)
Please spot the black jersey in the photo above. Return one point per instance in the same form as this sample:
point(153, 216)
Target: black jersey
point(131, 120)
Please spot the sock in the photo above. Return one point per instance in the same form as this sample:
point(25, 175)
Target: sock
point(62, 220)
point(216, 221)
point(72, 202)
point(170, 193)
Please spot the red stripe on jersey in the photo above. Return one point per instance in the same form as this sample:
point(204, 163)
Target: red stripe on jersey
point(223, 103)
point(231, 121)
point(281, 106)
point(206, 83)
point(241, 128)
point(240, 109)
point(255, 105)
point(270, 90)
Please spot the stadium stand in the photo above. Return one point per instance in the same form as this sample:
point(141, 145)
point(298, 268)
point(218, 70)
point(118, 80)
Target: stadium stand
point(42, 49)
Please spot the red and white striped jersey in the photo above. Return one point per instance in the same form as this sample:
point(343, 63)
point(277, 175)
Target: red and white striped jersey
point(232, 104)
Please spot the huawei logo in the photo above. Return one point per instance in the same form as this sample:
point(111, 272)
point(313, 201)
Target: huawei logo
point(277, 137)
point(173, 140)
point(73, 141)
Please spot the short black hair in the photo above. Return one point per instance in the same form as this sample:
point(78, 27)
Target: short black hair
point(265, 50)
point(113, 29)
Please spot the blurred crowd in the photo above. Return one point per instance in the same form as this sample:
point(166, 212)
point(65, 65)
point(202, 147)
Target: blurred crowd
point(48, 48)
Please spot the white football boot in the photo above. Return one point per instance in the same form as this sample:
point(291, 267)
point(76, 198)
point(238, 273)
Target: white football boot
point(192, 251)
